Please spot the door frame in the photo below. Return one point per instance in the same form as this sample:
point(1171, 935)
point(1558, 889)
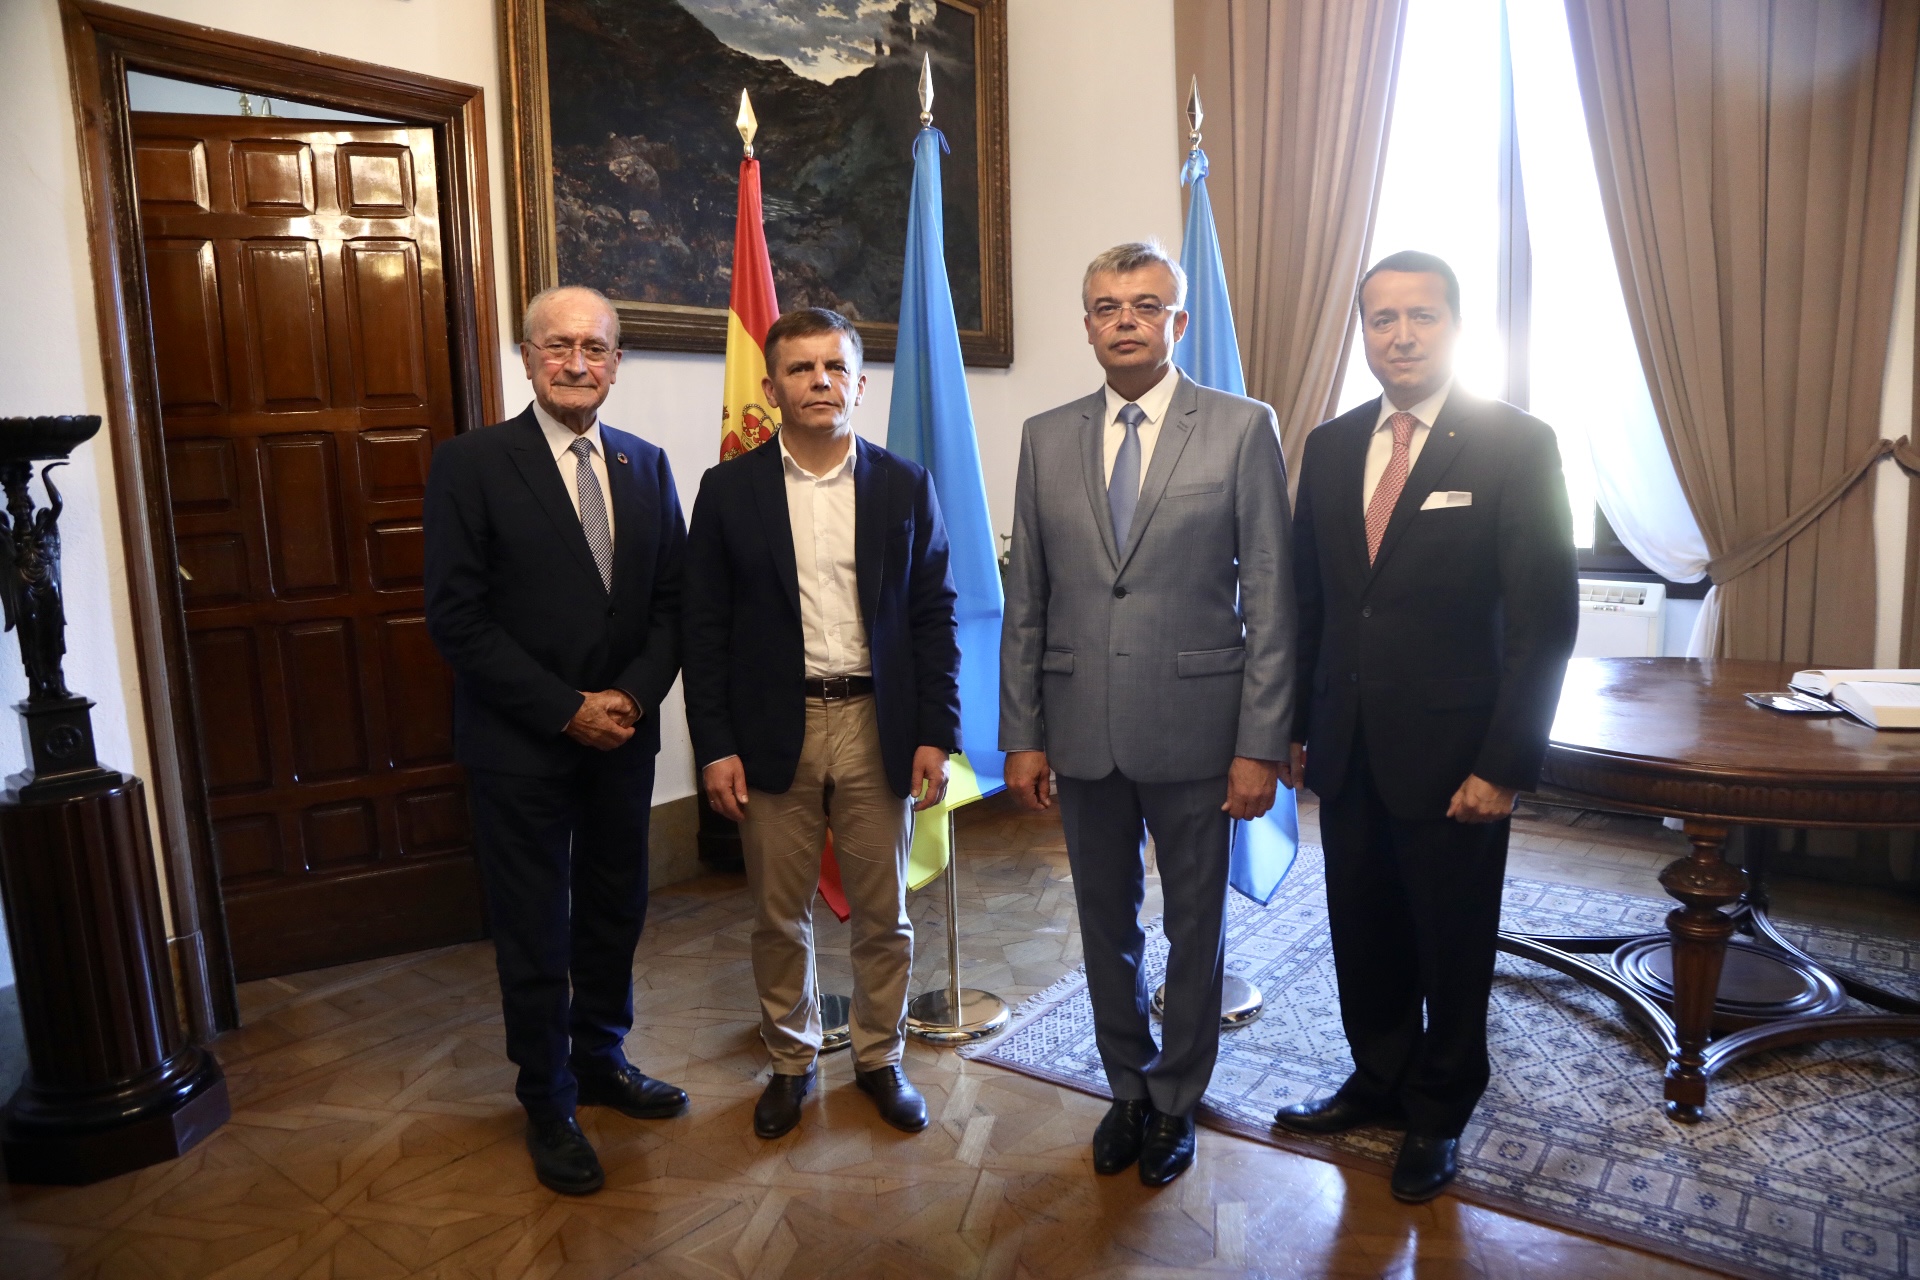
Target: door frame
point(103, 41)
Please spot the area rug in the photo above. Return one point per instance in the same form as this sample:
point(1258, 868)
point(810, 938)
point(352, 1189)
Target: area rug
point(1808, 1163)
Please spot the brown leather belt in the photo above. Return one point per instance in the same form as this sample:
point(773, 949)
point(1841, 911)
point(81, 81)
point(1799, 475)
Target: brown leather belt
point(836, 688)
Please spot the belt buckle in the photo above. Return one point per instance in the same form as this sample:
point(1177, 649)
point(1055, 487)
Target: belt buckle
point(836, 688)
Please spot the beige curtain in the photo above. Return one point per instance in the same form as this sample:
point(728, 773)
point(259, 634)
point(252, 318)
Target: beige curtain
point(1752, 158)
point(1298, 94)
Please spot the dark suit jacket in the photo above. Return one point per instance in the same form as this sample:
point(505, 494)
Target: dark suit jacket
point(515, 604)
point(745, 655)
point(1449, 650)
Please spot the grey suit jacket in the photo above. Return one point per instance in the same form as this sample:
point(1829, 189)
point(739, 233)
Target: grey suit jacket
point(1167, 657)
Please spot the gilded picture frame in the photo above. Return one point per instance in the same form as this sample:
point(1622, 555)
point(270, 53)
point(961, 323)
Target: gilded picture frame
point(626, 178)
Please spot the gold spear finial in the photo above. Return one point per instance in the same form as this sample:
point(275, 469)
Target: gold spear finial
point(1194, 115)
point(747, 123)
point(926, 90)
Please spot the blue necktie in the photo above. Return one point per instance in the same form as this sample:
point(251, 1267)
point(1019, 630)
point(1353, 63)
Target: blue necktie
point(593, 510)
point(1123, 488)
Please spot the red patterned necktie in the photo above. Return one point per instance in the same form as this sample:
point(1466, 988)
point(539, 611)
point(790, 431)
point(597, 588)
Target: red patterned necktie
point(1386, 494)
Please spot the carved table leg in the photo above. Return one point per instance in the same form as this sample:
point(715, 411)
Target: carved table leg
point(1703, 883)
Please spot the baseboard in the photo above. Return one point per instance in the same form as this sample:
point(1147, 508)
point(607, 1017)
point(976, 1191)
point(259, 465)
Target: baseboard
point(673, 845)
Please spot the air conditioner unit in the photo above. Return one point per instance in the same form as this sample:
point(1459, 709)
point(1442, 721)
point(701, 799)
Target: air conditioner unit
point(1621, 619)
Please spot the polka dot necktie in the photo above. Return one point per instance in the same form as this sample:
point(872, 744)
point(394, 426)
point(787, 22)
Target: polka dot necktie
point(1387, 493)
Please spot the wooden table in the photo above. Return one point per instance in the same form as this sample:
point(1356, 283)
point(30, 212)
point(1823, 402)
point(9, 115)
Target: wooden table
point(1676, 737)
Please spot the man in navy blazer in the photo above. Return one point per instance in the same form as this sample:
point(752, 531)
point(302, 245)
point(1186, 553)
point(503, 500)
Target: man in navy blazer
point(821, 683)
point(555, 563)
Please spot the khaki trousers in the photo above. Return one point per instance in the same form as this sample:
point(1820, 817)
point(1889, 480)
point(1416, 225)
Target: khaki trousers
point(840, 785)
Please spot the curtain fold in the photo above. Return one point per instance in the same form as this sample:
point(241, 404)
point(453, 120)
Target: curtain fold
point(1752, 158)
point(1298, 96)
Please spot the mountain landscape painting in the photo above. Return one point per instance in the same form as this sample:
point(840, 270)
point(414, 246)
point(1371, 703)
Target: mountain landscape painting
point(642, 97)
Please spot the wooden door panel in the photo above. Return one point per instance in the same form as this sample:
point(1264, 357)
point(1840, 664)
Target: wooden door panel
point(183, 289)
point(322, 680)
point(307, 379)
point(274, 177)
point(200, 476)
point(226, 669)
point(383, 316)
point(300, 489)
point(376, 180)
point(171, 175)
point(287, 330)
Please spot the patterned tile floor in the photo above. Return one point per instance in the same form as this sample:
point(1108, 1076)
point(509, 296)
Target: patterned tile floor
point(374, 1131)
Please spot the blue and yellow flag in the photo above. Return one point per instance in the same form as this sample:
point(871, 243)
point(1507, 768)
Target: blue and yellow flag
point(1263, 849)
point(931, 422)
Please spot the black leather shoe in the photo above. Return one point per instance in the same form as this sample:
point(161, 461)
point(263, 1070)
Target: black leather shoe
point(1166, 1150)
point(1426, 1165)
point(1334, 1114)
point(563, 1159)
point(1117, 1138)
point(632, 1094)
point(779, 1107)
point(900, 1103)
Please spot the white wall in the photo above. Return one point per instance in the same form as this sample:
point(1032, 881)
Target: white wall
point(1093, 162)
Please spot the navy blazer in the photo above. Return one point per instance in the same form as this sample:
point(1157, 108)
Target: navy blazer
point(1448, 651)
point(745, 653)
point(516, 606)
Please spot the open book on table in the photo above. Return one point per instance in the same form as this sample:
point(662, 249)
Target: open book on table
point(1885, 698)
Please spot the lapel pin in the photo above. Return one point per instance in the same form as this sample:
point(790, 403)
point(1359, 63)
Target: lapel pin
point(621, 458)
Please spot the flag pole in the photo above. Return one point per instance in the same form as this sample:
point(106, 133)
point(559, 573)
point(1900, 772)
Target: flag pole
point(958, 1014)
point(1240, 1001)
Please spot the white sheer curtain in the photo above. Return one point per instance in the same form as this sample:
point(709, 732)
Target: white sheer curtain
point(1585, 367)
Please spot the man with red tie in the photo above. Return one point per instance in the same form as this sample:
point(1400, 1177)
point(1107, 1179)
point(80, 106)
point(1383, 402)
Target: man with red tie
point(1438, 601)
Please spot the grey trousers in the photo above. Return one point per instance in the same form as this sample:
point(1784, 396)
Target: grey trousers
point(841, 784)
point(1105, 822)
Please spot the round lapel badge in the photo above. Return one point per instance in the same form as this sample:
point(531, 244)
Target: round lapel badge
point(621, 458)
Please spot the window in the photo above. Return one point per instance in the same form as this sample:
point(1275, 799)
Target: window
point(1494, 173)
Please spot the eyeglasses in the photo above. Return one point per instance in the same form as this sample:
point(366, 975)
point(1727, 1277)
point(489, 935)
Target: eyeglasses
point(1107, 313)
point(595, 353)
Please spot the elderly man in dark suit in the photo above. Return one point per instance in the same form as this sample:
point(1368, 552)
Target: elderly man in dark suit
point(554, 567)
point(1433, 556)
point(822, 692)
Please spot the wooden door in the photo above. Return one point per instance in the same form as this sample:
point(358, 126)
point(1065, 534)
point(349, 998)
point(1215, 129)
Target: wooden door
point(301, 341)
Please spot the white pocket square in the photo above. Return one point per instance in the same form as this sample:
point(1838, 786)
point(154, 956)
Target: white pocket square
point(1447, 498)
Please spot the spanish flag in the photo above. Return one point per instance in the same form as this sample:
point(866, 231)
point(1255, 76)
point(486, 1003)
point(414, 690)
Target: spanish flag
point(745, 419)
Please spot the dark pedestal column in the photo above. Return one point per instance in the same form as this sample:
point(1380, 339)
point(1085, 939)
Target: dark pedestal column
point(112, 1084)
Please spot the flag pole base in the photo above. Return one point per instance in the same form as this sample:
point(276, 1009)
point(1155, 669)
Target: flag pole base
point(1240, 1003)
point(931, 1016)
point(836, 1031)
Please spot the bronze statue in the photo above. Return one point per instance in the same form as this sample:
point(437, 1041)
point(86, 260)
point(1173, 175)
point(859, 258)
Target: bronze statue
point(30, 580)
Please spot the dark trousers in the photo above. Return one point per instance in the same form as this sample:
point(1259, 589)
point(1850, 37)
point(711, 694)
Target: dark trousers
point(1414, 907)
point(1105, 821)
point(564, 861)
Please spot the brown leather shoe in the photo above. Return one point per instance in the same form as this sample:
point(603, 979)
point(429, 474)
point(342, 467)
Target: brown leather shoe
point(900, 1103)
point(779, 1107)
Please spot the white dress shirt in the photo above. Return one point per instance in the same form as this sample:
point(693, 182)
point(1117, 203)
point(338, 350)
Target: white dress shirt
point(1154, 404)
point(820, 511)
point(1380, 447)
point(560, 439)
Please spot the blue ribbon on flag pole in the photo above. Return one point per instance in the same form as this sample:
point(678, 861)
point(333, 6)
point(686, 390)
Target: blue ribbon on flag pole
point(1209, 353)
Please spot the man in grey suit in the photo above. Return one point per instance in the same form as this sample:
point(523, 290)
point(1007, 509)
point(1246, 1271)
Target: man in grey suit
point(1147, 659)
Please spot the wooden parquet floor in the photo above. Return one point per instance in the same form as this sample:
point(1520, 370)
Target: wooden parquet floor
point(375, 1134)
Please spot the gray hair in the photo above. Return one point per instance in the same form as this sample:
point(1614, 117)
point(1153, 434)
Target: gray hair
point(1132, 256)
point(538, 303)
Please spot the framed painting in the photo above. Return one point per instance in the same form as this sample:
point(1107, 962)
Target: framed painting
point(625, 162)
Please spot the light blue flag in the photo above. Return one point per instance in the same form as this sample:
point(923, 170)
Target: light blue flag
point(1263, 849)
point(931, 422)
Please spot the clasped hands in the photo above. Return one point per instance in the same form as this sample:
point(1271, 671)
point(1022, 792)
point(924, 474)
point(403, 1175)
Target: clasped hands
point(605, 720)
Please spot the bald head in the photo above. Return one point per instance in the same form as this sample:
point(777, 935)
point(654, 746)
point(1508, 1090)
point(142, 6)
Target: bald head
point(577, 302)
